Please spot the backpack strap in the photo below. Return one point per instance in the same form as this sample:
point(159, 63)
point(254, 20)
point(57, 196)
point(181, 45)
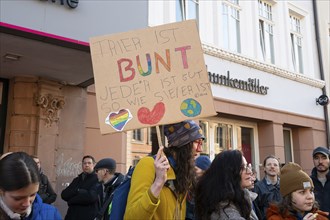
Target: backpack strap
point(100, 213)
point(107, 202)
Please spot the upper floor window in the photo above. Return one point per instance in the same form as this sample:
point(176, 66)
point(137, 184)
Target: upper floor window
point(137, 135)
point(296, 43)
point(234, 1)
point(265, 10)
point(266, 32)
point(231, 25)
point(186, 9)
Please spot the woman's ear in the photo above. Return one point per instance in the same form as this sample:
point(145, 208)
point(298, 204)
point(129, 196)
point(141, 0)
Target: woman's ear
point(1, 192)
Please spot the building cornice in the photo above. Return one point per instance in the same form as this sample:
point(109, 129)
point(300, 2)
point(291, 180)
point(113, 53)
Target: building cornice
point(239, 59)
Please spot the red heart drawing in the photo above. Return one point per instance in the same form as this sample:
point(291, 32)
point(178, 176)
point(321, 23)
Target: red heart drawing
point(146, 116)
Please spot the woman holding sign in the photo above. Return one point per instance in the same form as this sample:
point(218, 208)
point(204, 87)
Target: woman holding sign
point(159, 186)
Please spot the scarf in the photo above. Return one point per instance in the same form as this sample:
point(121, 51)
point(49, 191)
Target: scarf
point(11, 214)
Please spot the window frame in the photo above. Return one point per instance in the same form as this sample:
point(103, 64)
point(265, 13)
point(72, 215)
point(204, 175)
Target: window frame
point(296, 39)
point(138, 135)
point(183, 10)
point(266, 31)
point(230, 20)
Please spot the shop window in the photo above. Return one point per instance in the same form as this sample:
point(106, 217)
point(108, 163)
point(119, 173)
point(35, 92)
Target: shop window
point(231, 26)
point(186, 9)
point(228, 134)
point(296, 43)
point(287, 137)
point(245, 142)
point(222, 137)
point(266, 32)
point(204, 127)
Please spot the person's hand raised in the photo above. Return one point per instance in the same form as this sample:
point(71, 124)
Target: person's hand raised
point(161, 164)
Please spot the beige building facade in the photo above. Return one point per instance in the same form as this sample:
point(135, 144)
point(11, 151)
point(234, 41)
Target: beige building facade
point(265, 102)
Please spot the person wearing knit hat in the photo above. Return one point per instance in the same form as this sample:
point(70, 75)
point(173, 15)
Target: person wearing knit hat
point(182, 133)
point(202, 163)
point(160, 184)
point(321, 177)
point(298, 202)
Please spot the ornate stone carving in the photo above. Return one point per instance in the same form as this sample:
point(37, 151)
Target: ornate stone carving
point(50, 106)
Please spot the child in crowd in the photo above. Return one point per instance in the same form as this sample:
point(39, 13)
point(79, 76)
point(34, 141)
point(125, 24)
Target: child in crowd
point(19, 185)
point(202, 163)
point(298, 202)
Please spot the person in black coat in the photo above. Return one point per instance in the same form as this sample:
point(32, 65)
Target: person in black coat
point(321, 177)
point(81, 194)
point(110, 180)
point(46, 191)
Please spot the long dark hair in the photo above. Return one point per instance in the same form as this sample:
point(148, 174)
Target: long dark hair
point(222, 183)
point(17, 170)
point(184, 169)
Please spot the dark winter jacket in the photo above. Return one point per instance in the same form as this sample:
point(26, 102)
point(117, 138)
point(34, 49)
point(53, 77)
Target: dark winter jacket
point(46, 191)
point(109, 187)
point(322, 193)
point(81, 196)
point(190, 206)
point(40, 211)
point(267, 193)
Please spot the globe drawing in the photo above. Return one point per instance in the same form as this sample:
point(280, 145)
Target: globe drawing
point(190, 107)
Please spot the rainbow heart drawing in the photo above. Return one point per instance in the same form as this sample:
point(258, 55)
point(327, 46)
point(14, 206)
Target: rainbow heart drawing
point(119, 119)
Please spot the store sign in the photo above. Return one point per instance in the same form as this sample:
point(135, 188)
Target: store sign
point(150, 77)
point(250, 85)
point(70, 3)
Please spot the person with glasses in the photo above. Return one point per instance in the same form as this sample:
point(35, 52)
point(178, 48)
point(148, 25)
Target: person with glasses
point(160, 184)
point(81, 194)
point(254, 195)
point(268, 189)
point(222, 193)
point(110, 179)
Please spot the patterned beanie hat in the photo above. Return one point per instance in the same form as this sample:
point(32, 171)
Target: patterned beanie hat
point(293, 178)
point(203, 162)
point(182, 133)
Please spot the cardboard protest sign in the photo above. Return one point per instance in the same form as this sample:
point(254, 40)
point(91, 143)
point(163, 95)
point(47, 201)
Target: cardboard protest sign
point(150, 77)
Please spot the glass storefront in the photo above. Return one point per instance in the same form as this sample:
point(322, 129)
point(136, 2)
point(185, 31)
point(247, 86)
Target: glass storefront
point(224, 134)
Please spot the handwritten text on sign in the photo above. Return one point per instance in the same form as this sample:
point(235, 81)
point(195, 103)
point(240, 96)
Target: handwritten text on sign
point(150, 77)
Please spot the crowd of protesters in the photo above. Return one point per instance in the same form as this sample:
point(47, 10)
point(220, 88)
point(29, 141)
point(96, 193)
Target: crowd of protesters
point(176, 183)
